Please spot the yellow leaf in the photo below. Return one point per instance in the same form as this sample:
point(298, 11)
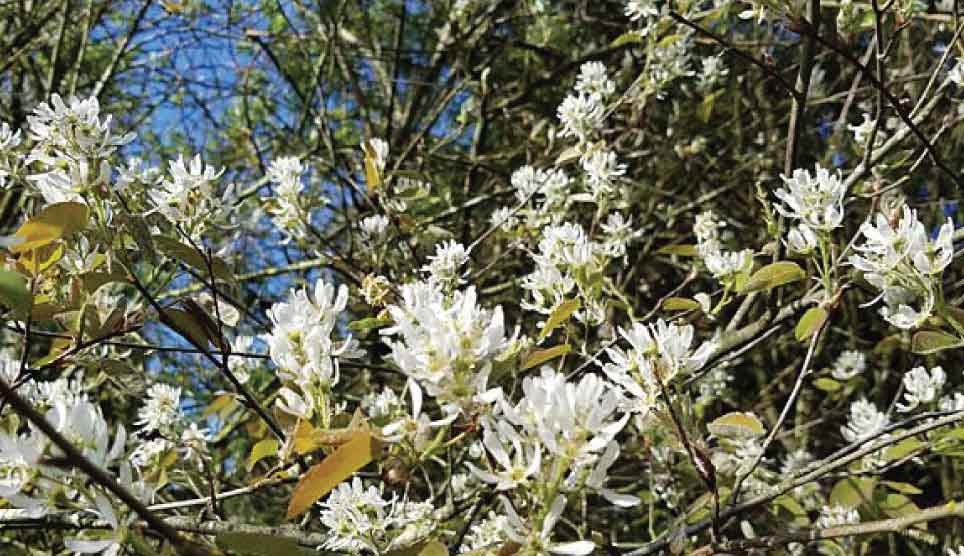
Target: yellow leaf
point(257, 544)
point(681, 304)
point(373, 176)
point(737, 424)
point(325, 476)
point(540, 356)
point(266, 448)
point(559, 315)
point(218, 404)
point(40, 259)
point(52, 223)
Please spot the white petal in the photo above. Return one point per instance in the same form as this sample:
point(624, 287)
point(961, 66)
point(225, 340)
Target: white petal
point(578, 548)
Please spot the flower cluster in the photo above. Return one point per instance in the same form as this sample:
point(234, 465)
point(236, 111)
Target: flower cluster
point(302, 346)
point(901, 261)
point(446, 342)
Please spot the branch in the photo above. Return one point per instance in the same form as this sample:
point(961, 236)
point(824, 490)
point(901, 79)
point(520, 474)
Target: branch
point(893, 525)
point(75, 458)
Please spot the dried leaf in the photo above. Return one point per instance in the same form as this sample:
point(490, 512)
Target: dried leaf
point(325, 476)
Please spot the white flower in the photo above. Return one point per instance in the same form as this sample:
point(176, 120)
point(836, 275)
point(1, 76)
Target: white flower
point(593, 80)
point(959, 551)
point(373, 228)
point(921, 387)
point(109, 546)
point(658, 348)
point(862, 132)
point(904, 264)
point(285, 172)
point(815, 200)
point(602, 169)
point(514, 466)
point(865, 421)
point(445, 341)
point(581, 115)
point(74, 127)
point(801, 239)
point(189, 188)
point(241, 365)
point(714, 69)
point(445, 266)
point(537, 539)
point(302, 346)
point(379, 148)
point(575, 420)
point(640, 9)
point(619, 233)
point(195, 443)
point(362, 520)
point(956, 75)
point(82, 422)
point(528, 181)
point(486, 536)
point(147, 452)
point(953, 402)
point(418, 426)
point(162, 408)
point(834, 516)
point(725, 264)
point(599, 475)
point(848, 365)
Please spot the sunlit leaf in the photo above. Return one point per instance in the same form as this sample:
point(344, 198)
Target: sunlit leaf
point(54, 222)
point(737, 424)
point(681, 304)
point(540, 356)
point(263, 449)
point(340, 465)
point(559, 315)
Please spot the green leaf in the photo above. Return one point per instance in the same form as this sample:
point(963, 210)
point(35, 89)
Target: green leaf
point(826, 384)
point(902, 449)
point(191, 257)
point(188, 326)
point(681, 304)
point(54, 222)
point(369, 323)
point(540, 356)
point(737, 424)
point(631, 37)
point(559, 315)
point(257, 544)
point(926, 342)
point(810, 323)
point(905, 488)
point(852, 492)
point(773, 275)
point(681, 249)
point(14, 292)
point(266, 448)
